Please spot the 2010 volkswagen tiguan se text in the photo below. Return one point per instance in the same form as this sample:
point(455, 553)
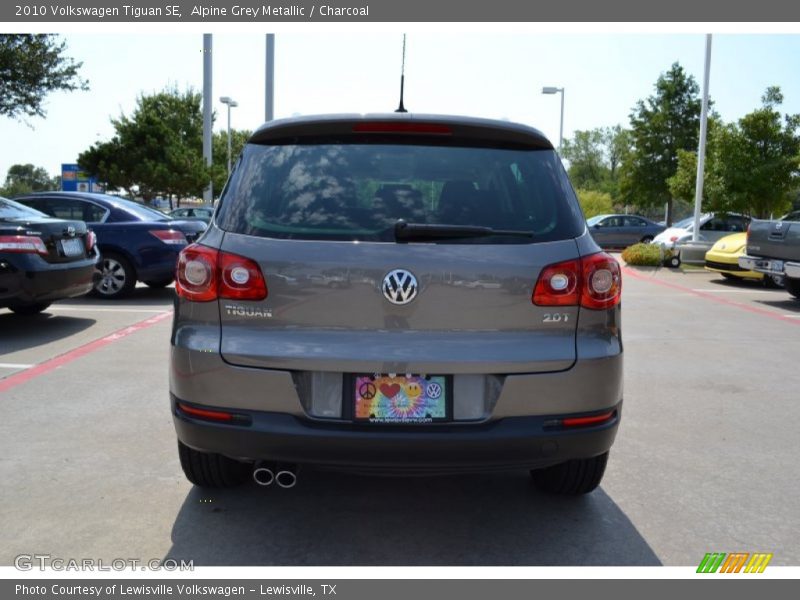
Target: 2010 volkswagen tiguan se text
point(396, 294)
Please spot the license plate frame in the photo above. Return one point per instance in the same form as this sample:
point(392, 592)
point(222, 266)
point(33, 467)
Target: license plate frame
point(403, 408)
point(72, 247)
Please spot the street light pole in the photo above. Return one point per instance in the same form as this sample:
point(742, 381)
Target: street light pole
point(231, 104)
point(701, 150)
point(558, 90)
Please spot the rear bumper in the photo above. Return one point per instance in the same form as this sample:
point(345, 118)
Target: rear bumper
point(516, 442)
point(28, 279)
point(770, 266)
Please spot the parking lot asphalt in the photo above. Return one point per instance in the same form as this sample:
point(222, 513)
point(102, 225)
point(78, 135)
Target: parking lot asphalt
point(705, 460)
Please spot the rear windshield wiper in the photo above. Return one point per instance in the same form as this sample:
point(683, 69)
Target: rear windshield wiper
point(405, 232)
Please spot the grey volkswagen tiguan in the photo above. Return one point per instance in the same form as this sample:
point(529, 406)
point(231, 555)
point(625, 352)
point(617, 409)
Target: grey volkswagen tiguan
point(396, 294)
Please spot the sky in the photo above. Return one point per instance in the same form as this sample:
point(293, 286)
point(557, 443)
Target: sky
point(495, 75)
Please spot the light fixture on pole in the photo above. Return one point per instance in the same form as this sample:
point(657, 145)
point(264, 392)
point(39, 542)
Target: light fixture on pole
point(558, 90)
point(231, 104)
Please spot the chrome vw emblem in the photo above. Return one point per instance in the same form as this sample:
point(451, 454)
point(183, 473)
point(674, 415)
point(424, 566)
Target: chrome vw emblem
point(400, 287)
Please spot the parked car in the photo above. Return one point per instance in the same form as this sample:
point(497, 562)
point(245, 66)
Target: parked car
point(621, 231)
point(402, 371)
point(42, 259)
point(773, 248)
point(203, 213)
point(137, 243)
point(723, 258)
point(713, 227)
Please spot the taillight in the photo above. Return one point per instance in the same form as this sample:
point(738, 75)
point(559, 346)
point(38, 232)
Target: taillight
point(90, 240)
point(602, 281)
point(674, 238)
point(558, 285)
point(170, 236)
point(22, 244)
point(591, 282)
point(205, 274)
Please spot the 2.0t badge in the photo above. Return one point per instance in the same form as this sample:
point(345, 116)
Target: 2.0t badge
point(400, 286)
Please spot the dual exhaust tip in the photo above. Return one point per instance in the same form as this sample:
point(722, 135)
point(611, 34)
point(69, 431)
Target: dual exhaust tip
point(265, 474)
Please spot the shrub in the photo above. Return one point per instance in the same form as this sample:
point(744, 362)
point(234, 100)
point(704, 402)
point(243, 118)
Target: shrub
point(645, 255)
point(595, 203)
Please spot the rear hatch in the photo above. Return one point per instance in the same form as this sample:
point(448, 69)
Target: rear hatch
point(482, 207)
point(774, 239)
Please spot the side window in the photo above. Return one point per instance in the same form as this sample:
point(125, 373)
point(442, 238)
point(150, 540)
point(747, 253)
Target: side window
point(714, 224)
point(633, 222)
point(93, 213)
point(63, 208)
point(737, 224)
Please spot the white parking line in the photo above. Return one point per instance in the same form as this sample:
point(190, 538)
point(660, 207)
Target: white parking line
point(733, 291)
point(14, 366)
point(112, 310)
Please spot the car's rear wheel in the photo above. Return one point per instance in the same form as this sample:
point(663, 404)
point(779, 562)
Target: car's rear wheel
point(162, 283)
point(792, 286)
point(30, 309)
point(205, 469)
point(673, 261)
point(574, 477)
point(117, 277)
point(773, 281)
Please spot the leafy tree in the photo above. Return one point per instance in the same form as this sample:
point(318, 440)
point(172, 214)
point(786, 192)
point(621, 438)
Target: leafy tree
point(751, 166)
point(157, 149)
point(761, 158)
point(594, 158)
point(31, 66)
point(665, 123)
point(219, 151)
point(595, 203)
point(22, 179)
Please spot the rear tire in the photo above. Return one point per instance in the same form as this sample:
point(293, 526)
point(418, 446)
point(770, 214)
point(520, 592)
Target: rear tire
point(728, 276)
point(27, 310)
point(118, 277)
point(208, 470)
point(792, 286)
point(573, 478)
point(673, 262)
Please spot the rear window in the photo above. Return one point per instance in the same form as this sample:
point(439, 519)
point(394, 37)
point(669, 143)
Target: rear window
point(356, 191)
point(14, 210)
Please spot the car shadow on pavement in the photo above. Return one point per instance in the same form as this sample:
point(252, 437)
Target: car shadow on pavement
point(23, 332)
point(788, 303)
point(343, 519)
point(141, 295)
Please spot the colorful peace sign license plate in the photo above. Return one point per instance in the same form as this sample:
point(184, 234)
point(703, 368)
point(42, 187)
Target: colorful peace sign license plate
point(400, 398)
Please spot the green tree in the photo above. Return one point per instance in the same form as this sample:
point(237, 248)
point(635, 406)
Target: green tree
point(665, 123)
point(594, 158)
point(31, 66)
point(595, 203)
point(157, 149)
point(22, 179)
point(751, 166)
point(761, 158)
point(219, 151)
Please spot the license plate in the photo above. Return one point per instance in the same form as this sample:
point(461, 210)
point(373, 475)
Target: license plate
point(400, 398)
point(73, 247)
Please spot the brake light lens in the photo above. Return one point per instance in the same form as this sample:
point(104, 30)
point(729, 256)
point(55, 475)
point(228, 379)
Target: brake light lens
point(674, 238)
point(205, 274)
point(558, 285)
point(90, 240)
point(22, 244)
point(170, 236)
point(586, 421)
point(592, 282)
point(602, 282)
point(402, 127)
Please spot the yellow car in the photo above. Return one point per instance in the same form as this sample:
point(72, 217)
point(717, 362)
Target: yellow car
point(724, 258)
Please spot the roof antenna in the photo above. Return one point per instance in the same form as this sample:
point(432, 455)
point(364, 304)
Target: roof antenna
point(401, 108)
